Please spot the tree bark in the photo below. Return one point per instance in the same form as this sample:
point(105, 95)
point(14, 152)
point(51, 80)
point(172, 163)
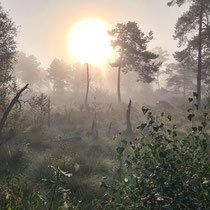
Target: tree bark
point(48, 114)
point(109, 129)
point(87, 90)
point(199, 55)
point(128, 118)
point(118, 85)
point(158, 80)
point(9, 108)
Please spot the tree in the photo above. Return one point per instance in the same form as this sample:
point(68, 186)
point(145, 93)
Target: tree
point(130, 44)
point(28, 70)
point(9, 108)
point(59, 76)
point(39, 108)
point(193, 31)
point(162, 58)
point(8, 32)
point(181, 78)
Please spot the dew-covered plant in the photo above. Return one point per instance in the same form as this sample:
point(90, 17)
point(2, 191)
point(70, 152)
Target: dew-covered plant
point(17, 194)
point(161, 169)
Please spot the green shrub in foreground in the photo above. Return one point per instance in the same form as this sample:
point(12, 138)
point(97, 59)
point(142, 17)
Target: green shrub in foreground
point(160, 170)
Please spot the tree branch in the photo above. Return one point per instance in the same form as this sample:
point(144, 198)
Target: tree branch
point(9, 108)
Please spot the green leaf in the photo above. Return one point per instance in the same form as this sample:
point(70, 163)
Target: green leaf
point(159, 138)
point(190, 116)
point(174, 134)
point(144, 109)
point(142, 126)
point(205, 114)
point(189, 110)
point(190, 99)
point(194, 129)
point(204, 124)
point(124, 142)
point(169, 132)
point(169, 117)
point(196, 106)
point(128, 163)
point(155, 128)
point(120, 151)
point(200, 128)
point(195, 95)
point(151, 122)
point(161, 125)
point(150, 113)
point(167, 206)
point(47, 181)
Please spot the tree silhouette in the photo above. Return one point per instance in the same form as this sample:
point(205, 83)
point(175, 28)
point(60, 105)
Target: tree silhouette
point(7, 57)
point(130, 44)
point(59, 76)
point(192, 30)
point(28, 70)
point(181, 78)
point(162, 58)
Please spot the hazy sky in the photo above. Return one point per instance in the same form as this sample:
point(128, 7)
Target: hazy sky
point(45, 24)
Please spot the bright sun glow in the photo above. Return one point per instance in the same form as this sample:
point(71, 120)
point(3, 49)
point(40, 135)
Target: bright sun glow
point(89, 42)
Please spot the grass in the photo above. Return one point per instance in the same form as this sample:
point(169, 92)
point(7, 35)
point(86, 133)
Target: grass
point(35, 149)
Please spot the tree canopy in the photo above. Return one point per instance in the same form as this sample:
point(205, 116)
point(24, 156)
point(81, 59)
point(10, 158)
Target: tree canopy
point(131, 45)
point(192, 31)
point(7, 56)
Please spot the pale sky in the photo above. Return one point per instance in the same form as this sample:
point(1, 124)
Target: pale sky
point(45, 25)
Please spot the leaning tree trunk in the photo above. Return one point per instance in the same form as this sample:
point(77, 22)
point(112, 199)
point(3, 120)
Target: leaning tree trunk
point(128, 118)
point(87, 90)
point(199, 55)
point(9, 108)
point(118, 85)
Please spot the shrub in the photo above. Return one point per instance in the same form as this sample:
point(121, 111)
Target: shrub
point(160, 169)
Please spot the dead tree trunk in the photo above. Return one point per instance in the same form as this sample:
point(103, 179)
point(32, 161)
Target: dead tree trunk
point(118, 85)
point(109, 129)
point(93, 128)
point(87, 90)
point(9, 108)
point(199, 55)
point(48, 113)
point(128, 118)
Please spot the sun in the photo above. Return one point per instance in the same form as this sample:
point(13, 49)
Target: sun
point(89, 42)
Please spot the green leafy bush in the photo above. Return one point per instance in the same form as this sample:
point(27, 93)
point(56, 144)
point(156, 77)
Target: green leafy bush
point(160, 169)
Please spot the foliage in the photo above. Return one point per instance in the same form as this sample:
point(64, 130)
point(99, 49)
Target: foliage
point(28, 70)
point(160, 169)
point(7, 57)
point(181, 78)
point(16, 193)
point(59, 75)
point(57, 186)
point(192, 32)
point(131, 45)
point(39, 108)
point(162, 58)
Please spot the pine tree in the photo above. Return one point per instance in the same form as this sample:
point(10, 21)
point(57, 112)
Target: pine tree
point(130, 44)
point(192, 30)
